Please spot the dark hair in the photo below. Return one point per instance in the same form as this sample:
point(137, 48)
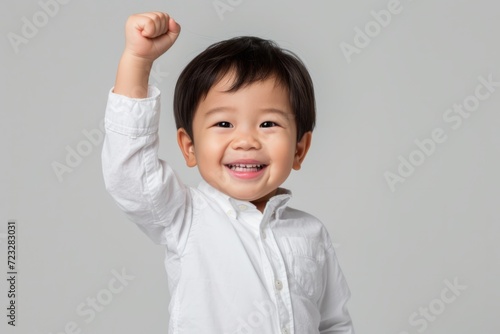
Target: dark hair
point(253, 59)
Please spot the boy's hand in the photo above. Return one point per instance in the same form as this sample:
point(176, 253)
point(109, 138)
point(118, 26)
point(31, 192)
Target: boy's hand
point(147, 37)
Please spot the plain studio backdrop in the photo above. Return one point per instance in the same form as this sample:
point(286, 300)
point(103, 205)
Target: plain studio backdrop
point(403, 169)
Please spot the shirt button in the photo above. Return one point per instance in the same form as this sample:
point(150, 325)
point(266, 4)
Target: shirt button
point(242, 207)
point(284, 331)
point(230, 213)
point(263, 234)
point(278, 284)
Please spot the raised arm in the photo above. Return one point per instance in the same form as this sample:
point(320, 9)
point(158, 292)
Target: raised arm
point(147, 36)
point(143, 186)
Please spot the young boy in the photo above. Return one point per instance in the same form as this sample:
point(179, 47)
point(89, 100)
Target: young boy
point(238, 259)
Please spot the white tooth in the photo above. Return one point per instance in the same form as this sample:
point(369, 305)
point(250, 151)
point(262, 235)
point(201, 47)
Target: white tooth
point(245, 166)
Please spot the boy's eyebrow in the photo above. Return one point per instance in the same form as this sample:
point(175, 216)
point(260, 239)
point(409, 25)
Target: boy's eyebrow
point(218, 109)
point(279, 111)
point(271, 110)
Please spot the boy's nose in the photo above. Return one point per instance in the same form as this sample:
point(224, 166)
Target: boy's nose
point(246, 140)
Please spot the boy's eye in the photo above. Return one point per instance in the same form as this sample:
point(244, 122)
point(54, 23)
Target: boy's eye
point(268, 124)
point(224, 125)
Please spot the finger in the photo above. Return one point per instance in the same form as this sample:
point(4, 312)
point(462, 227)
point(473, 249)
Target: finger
point(162, 22)
point(166, 40)
point(165, 24)
point(152, 25)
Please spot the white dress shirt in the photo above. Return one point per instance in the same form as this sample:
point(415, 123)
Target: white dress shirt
point(231, 269)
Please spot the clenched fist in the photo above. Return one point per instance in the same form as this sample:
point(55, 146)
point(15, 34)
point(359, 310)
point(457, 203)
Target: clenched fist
point(149, 35)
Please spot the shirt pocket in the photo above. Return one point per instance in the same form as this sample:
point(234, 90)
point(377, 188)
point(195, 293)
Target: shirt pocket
point(304, 258)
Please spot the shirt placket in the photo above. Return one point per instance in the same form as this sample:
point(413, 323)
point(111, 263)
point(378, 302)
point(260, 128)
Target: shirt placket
point(279, 278)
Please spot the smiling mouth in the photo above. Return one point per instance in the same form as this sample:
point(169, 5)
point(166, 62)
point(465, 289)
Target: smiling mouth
point(245, 167)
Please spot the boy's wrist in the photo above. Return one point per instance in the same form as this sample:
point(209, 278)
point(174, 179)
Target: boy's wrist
point(137, 62)
point(133, 76)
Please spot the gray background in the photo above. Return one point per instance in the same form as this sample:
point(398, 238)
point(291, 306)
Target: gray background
point(398, 249)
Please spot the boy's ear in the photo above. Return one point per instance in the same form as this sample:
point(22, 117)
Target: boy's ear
point(187, 147)
point(301, 150)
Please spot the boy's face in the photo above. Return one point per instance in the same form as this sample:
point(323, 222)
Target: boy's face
point(245, 141)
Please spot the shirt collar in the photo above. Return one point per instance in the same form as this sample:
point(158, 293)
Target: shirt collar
point(233, 207)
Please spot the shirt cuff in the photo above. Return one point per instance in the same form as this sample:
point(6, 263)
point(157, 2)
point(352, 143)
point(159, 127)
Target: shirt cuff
point(133, 117)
